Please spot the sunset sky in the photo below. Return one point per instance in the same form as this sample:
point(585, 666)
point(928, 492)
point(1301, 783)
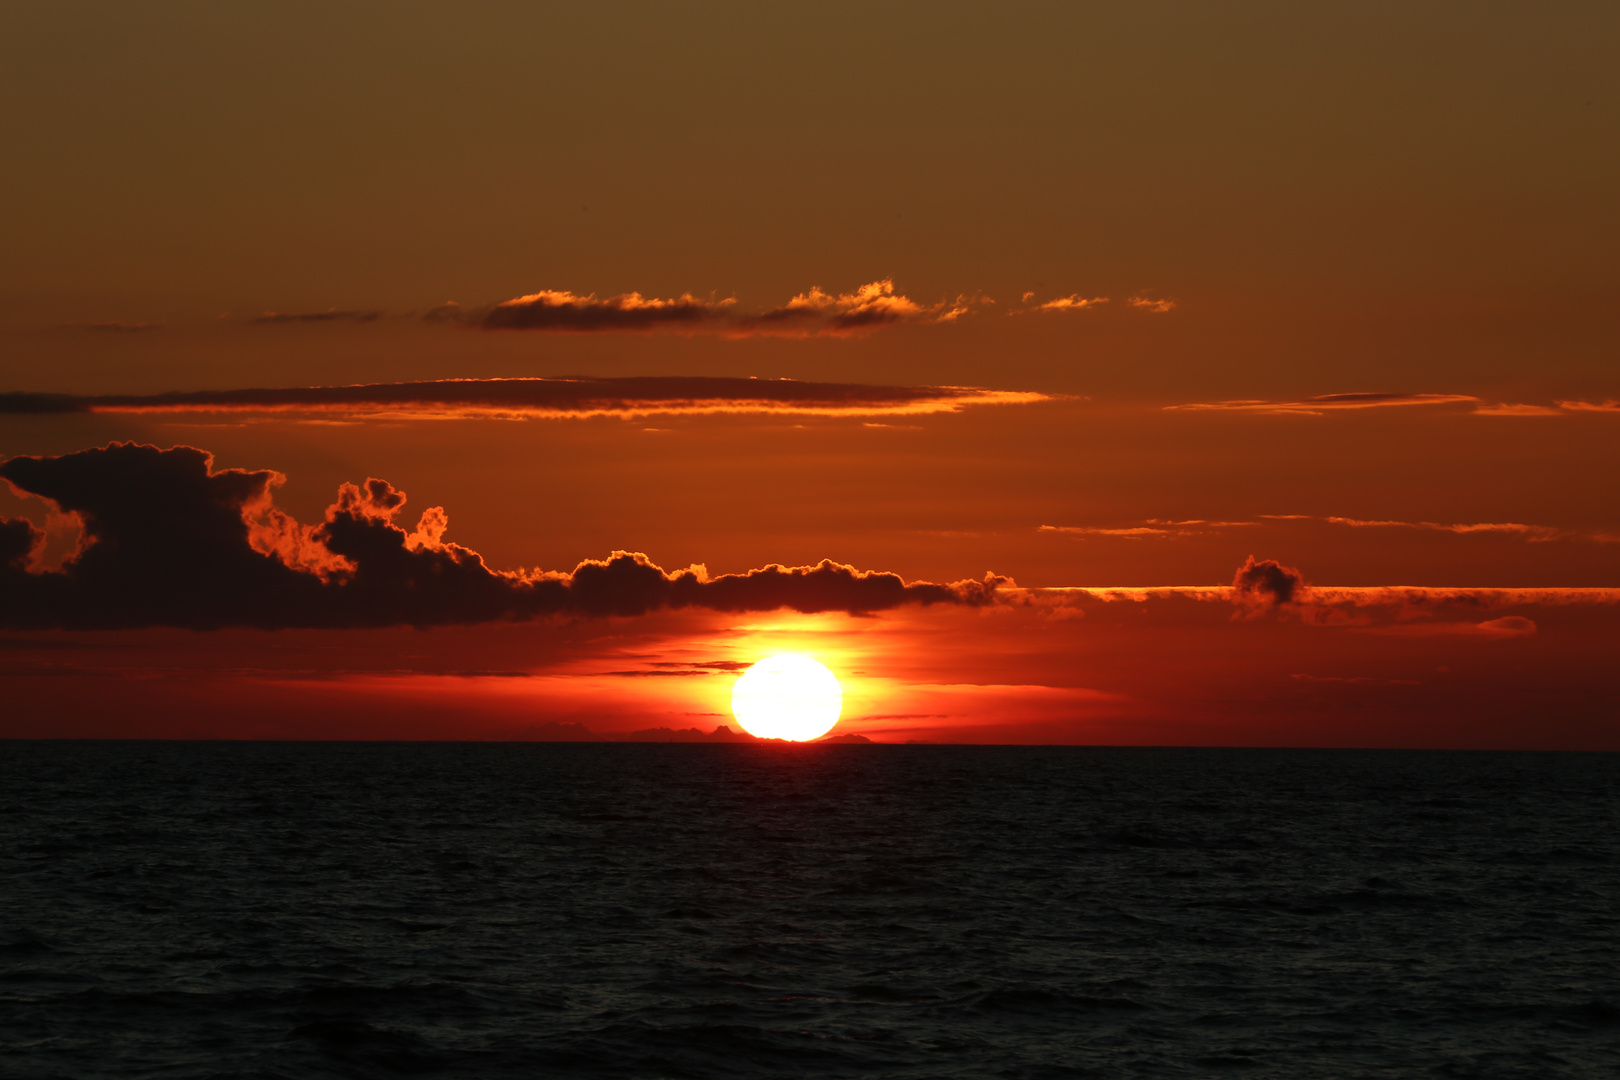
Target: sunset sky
point(1150, 374)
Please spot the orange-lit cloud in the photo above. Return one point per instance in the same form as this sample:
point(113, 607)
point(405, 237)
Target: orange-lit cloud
point(520, 399)
point(1077, 302)
point(871, 306)
point(1510, 409)
point(555, 309)
point(1147, 304)
point(1610, 406)
point(1150, 529)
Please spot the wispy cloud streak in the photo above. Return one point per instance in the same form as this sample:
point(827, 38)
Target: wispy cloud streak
point(1158, 529)
point(1324, 403)
point(331, 315)
point(1062, 304)
point(539, 399)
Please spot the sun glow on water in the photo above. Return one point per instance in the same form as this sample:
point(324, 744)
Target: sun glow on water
point(787, 697)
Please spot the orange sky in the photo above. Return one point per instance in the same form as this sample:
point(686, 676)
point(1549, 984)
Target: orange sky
point(1171, 242)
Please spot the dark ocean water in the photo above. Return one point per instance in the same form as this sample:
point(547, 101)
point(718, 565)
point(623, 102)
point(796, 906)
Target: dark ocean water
point(551, 910)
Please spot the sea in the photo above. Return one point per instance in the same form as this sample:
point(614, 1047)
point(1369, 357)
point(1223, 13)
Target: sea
point(310, 910)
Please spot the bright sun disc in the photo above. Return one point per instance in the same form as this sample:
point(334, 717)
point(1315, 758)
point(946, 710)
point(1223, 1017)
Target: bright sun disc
point(787, 697)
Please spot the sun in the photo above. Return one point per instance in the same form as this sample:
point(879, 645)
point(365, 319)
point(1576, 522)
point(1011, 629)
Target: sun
point(787, 697)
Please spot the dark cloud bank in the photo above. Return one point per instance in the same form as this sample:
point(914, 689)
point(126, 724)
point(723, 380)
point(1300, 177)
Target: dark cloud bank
point(167, 541)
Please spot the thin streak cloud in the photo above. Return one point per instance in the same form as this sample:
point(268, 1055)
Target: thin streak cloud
point(521, 399)
point(1324, 403)
point(331, 315)
point(1157, 529)
point(1062, 304)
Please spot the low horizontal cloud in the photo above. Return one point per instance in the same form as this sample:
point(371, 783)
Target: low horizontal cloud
point(552, 309)
point(539, 399)
point(1532, 533)
point(1150, 529)
point(1535, 534)
point(1150, 304)
point(1159, 529)
point(1325, 403)
point(814, 312)
point(1268, 589)
point(1512, 409)
point(169, 541)
point(681, 669)
point(330, 315)
point(119, 327)
point(1508, 626)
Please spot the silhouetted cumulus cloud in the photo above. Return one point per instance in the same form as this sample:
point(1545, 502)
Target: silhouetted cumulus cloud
point(539, 398)
point(868, 307)
point(167, 541)
point(554, 309)
point(1264, 584)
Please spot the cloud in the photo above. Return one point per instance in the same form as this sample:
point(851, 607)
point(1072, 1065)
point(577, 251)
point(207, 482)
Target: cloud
point(514, 399)
point(1507, 409)
point(1160, 529)
point(815, 312)
point(169, 541)
point(119, 327)
point(1316, 406)
point(1159, 306)
point(1532, 533)
point(1508, 626)
point(873, 305)
point(553, 309)
point(1535, 534)
point(681, 669)
point(1264, 585)
point(1150, 529)
point(329, 315)
point(1062, 304)
point(1137, 532)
